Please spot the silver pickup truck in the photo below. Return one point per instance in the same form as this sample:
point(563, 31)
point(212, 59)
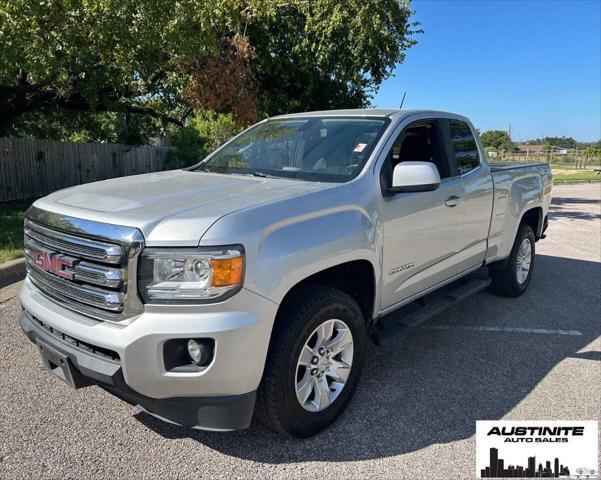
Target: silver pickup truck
point(252, 282)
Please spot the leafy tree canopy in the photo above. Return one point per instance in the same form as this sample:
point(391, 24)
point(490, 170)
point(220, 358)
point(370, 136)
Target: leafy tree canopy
point(164, 59)
point(203, 133)
point(497, 140)
point(562, 142)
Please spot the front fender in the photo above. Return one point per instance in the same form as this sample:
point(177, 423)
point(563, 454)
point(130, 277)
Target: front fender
point(299, 247)
point(288, 241)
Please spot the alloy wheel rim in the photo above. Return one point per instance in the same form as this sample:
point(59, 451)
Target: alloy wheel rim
point(324, 365)
point(524, 261)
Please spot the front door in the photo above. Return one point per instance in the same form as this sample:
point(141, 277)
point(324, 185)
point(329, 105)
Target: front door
point(422, 231)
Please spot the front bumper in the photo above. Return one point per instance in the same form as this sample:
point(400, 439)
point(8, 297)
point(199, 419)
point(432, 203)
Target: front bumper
point(127, 360)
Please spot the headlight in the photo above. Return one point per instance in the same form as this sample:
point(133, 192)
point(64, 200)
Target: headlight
point(190, 275)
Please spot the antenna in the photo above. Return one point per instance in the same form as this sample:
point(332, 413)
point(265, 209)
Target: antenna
point(403, 99)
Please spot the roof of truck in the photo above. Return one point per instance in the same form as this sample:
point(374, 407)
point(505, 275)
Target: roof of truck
point(360, 112)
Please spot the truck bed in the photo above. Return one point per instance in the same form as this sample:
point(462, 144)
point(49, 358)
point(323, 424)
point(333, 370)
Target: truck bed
point(517, 186)
point(498, 166)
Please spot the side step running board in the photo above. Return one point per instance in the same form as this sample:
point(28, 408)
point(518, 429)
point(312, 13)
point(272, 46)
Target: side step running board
point(396, 323)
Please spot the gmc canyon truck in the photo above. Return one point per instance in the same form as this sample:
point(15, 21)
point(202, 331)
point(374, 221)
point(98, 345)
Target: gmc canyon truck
point(251, 282)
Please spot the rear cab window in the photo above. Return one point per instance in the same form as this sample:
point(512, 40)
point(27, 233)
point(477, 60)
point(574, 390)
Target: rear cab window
point(465, 149)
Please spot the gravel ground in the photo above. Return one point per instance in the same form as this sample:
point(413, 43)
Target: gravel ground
point(413, 415)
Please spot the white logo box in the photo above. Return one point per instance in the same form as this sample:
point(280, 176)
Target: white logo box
point(537, 449)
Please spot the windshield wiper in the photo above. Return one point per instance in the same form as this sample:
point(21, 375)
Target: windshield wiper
point(262, 175)
point(200, 168)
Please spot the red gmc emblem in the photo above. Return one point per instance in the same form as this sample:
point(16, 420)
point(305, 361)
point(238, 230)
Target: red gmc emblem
point(54, 263)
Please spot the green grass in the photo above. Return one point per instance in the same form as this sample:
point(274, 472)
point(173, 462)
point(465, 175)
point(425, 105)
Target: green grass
point(570, 175)
point(11, 230)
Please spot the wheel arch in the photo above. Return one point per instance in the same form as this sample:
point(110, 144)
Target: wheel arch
point(357, 278)
point(534, 218)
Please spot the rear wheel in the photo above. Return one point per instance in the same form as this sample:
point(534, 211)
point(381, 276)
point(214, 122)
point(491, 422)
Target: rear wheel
point(513, 279)
point(314, 362)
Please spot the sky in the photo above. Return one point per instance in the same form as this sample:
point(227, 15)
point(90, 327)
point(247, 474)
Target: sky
point(534, 65)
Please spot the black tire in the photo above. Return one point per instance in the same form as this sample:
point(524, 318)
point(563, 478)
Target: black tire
point(277, 406)
point(505, 280)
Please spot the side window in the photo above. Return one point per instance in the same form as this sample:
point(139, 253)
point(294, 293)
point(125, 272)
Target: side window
point(464, 146)
point(420, 143)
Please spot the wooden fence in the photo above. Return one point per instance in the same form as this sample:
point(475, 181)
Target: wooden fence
point(32, 168)
point(573, 157)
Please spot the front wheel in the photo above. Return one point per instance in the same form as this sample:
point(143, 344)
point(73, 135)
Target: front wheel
point(315, 359)
point(514, 278)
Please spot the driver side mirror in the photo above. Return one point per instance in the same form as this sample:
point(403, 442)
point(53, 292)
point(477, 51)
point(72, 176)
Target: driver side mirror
point(414, 177)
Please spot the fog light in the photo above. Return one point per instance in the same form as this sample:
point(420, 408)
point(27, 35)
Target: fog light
point(194, 350)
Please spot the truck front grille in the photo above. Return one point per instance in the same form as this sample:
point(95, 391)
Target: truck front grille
point(90, 249)
point(77, 265)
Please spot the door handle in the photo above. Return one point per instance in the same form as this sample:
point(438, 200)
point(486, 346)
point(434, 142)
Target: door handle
point(452, 201)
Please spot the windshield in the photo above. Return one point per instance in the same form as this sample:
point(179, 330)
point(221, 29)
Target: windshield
point(323, 149)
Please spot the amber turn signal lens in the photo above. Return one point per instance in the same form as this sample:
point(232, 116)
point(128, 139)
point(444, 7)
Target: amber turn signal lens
point(227, 271)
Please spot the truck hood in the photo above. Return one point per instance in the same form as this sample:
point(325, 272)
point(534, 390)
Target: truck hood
point(171, 208)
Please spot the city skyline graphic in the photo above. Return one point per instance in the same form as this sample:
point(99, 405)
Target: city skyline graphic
point(497, 468)
point(566, 449)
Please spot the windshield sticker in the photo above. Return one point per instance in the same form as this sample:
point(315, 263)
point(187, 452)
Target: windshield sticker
point(360, 147)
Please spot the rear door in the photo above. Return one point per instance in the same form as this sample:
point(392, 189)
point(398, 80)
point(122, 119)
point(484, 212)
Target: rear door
point(478, 188)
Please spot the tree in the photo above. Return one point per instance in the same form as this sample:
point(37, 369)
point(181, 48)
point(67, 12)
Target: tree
point(204, 133)
point(160, 58)
point(497, 140)
point(324, 54)
point(562, 142)
point(99, 56)
point(305, 55)
point(76, 126)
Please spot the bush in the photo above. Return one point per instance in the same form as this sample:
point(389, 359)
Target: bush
point(203, 134)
